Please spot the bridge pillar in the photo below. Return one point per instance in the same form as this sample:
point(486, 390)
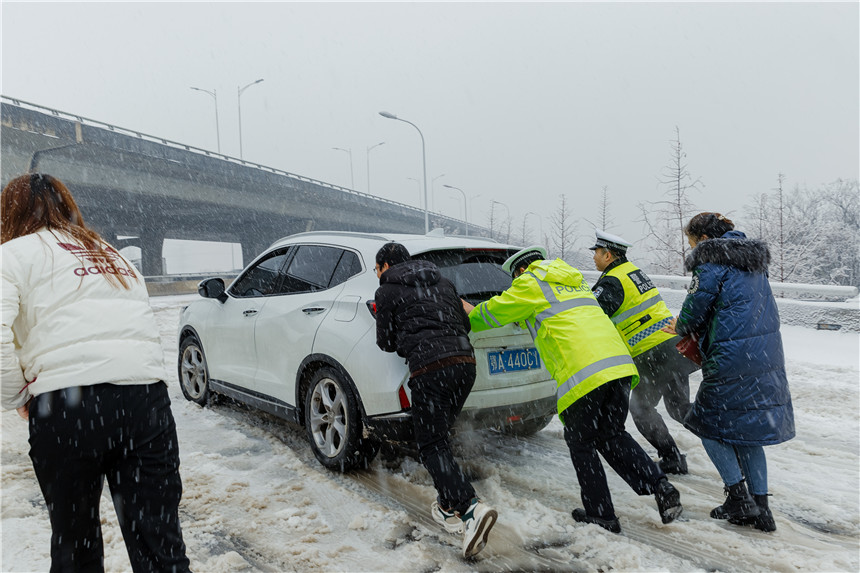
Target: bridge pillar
point(151, 246)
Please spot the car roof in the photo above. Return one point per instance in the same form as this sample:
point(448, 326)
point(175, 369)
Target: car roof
point(414, 243)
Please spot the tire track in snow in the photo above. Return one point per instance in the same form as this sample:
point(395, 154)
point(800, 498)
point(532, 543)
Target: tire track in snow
point(546, 451)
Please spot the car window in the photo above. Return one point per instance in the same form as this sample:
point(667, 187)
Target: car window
point(311, 269)
point(348, 266)
point(262, 279)
point(477, 275)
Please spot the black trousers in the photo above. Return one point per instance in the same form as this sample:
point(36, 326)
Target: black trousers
point(81, 435)
point(595, 423)
point(437, 398)
point(664, 373)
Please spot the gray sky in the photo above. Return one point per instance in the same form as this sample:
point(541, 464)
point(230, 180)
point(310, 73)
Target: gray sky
point(517, 102)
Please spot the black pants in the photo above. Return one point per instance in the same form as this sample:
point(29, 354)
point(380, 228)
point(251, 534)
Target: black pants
point(664, 373)
point(81, 435)
point(595, 423)
point(437, 398)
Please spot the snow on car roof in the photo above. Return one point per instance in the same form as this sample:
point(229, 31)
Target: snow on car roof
point(414, 243)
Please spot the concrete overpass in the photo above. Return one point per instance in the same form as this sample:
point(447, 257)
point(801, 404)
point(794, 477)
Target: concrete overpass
point(131, 184)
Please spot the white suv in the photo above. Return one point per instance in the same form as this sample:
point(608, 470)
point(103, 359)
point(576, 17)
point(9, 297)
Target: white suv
point(295, 335)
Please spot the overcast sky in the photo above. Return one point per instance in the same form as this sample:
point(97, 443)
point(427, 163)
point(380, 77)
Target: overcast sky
point(517, 102)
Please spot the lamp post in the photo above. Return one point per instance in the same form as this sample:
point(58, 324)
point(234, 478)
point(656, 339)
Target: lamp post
point(368, 163)
point(465, 212)
point(214, 94)
point(433, 191)
point(493, 203)
point(239, 103)
point(540, 220)
point(351, 172)
point(387, 115)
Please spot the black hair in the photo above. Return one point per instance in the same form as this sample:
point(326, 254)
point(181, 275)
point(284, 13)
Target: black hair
point(714, 225)
point(392, 253)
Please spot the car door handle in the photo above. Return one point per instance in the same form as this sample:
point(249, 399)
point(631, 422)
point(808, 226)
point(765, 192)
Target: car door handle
point(250, 312)
point(313, 309)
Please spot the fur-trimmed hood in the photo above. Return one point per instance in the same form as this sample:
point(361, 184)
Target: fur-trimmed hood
point(732, 249)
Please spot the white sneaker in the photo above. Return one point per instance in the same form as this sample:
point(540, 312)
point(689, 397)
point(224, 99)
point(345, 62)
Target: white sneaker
point(478, 521)
point(449, 520)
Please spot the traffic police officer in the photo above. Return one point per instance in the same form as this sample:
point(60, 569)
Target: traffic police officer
point(634, 305)
point(594, 373)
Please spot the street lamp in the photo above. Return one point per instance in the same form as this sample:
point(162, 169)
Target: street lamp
point(351, 172)
point(368, 163)
point(465, 212)
point(433, 191)
point(387, 115)
point(492, 204)
point(214, 94)
point(239, 103)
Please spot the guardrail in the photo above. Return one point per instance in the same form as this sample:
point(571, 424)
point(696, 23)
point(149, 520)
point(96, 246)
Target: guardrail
point(798, 291)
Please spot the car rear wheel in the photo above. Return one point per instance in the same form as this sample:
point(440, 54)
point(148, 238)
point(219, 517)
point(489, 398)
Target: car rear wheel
point(527, 427)
point(193, 372)
point(333, 423)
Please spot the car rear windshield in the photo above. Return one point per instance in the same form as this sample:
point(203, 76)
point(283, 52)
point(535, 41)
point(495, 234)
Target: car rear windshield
point(477, 275)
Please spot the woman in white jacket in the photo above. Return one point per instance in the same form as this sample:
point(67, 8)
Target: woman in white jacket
point(82, 361)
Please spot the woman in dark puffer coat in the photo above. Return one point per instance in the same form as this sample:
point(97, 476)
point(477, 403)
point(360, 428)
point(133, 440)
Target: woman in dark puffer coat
point(743, 402)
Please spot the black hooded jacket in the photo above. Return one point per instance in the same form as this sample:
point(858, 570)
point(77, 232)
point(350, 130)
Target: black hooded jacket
point(420, 316)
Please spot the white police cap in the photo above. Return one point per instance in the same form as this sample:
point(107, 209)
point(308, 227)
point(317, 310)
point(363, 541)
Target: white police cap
point(512, 264)
point(609, 241)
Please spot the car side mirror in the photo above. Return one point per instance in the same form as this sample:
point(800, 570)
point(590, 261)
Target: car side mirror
point(212, 288)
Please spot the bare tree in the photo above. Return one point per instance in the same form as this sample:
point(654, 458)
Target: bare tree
point(604, 219)
point(562, 228)
point(676, 208)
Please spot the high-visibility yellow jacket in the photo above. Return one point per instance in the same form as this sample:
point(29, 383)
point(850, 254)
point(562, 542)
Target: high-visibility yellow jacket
point(578, 343)
point(643, 312)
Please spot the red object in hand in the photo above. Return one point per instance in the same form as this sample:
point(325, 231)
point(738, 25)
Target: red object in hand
point(689, 348)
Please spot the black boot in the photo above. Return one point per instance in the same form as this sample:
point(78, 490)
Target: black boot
point(739, 505)
point(612, 525)
point(668, 500)
point(676, 463)
point(764, 520)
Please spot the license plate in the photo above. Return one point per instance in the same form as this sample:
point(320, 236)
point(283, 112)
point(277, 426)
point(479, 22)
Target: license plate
point(503, 361)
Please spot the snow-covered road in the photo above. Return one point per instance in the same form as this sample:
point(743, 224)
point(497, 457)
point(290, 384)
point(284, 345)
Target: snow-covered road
point(255, 498)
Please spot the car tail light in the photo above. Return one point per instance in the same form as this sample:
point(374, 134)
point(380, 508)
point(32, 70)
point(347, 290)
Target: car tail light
point(404, 400)
point(512, 419)
point(371, 306)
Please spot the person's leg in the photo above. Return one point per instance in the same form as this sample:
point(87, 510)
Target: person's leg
point(65, 447)
point(144, 479)
point(618, 447)
point(739, 505)
point(725, 459)
point(581, 434)
point(754, 464)
point(436, 399)
point(643, 410)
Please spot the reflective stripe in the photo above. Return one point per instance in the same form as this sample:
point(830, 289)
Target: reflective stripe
point(486, 313)
point(559, 307)
point(636, 309)
point(545, 288)
point(591, 370)
point(640, 336)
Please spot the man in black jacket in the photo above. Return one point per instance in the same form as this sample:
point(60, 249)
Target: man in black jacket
point(420, 316)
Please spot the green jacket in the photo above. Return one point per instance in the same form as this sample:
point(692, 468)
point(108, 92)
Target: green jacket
point(576, 340)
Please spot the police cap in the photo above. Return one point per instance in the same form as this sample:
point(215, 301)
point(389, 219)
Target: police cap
point(609, 241)
point(535, 252)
